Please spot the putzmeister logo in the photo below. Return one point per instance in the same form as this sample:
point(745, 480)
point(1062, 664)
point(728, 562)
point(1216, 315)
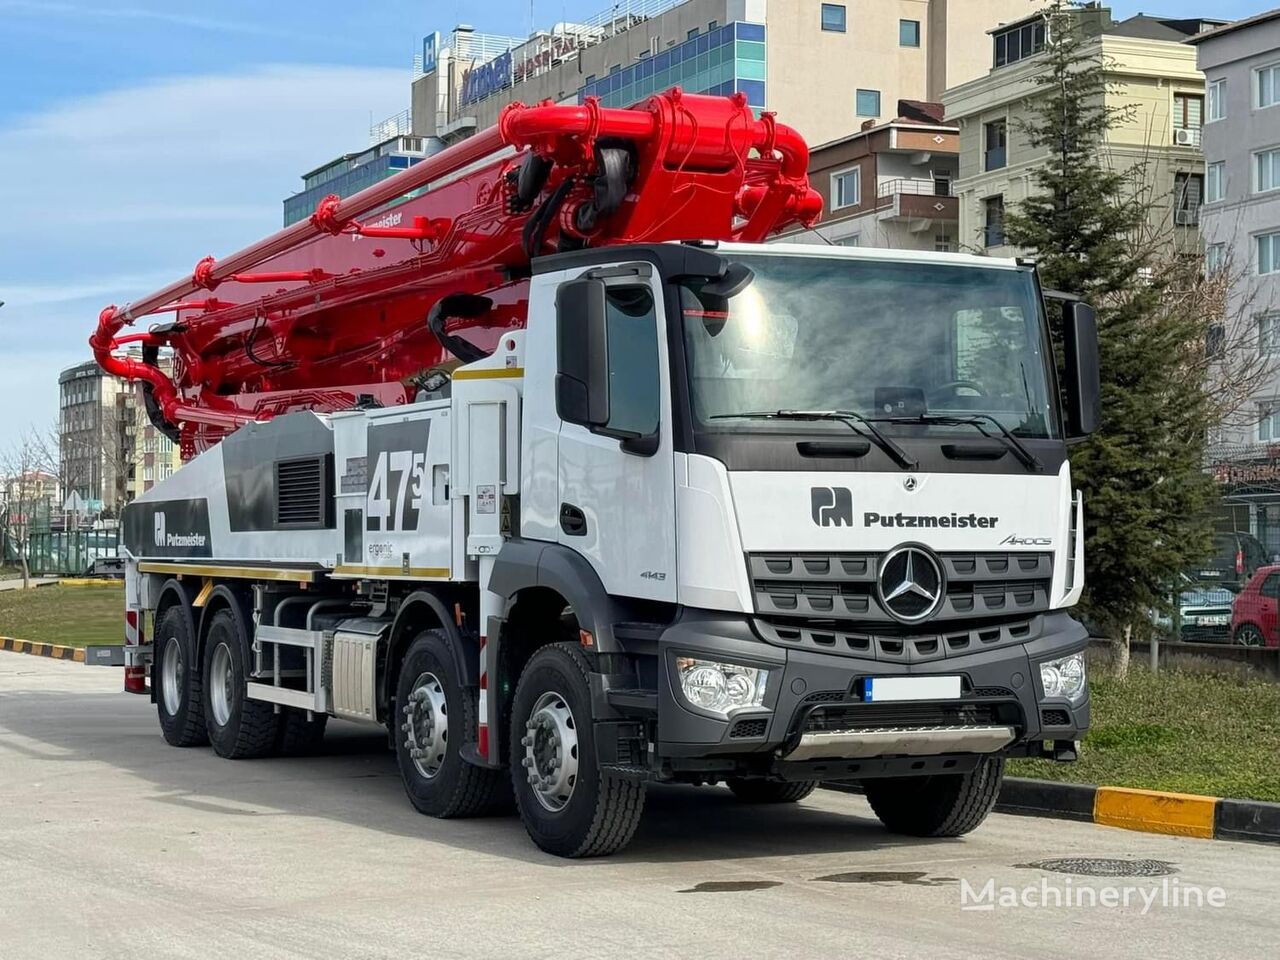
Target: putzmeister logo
point(832, 506)
point(160, 528)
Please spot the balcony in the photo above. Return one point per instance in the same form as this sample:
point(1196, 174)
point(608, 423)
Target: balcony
point(911, 199)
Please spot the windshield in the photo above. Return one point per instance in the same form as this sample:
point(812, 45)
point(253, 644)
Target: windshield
point(883, 339)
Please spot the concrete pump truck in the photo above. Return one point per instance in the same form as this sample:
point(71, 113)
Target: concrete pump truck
point(538, 457)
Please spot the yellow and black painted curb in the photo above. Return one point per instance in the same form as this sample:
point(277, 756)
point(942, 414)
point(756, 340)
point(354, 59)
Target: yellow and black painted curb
point(53, 650)
point(90, 582)
point(1148, 811)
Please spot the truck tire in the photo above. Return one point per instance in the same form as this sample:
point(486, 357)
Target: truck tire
point(178, 682)
point(771, 791)
point(239, 728)
point(569, 806)
point(433, 714)
point(298, 736)
point(944, 805)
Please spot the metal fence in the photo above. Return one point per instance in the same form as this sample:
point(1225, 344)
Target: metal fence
point(70, 553)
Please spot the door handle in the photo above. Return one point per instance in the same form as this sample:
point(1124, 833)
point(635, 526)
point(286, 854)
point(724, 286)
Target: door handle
point(572, 520)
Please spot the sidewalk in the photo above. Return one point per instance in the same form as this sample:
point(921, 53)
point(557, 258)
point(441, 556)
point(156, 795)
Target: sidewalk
point(16, 582)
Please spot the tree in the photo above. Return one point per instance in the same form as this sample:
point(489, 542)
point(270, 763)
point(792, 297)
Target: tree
point(28, 483)
point(1147, 496)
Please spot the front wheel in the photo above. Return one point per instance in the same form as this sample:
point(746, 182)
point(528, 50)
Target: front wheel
point(944, 805)
point(569, 806)
point(1247, 635)
point(432, 716)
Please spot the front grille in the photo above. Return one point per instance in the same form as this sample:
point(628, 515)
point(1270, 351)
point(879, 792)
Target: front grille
point(843, 586)
point(1054, 718)
point(748, 728)
point(896, 647)
point(885, 715)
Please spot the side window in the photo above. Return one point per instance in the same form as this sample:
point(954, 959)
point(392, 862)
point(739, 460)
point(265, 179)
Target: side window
point(1271, 585)
point(634, 378)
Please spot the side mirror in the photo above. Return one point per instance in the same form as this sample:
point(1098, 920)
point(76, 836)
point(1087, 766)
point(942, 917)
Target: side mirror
point(1080, 356)
point(582, 354)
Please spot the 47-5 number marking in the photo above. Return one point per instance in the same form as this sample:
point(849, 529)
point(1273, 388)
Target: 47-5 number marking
point(396, 489)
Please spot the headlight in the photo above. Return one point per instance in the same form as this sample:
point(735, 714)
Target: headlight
point(1064, 678)
point(720, 687)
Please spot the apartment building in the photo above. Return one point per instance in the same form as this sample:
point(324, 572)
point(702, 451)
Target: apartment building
point(1240, 224)
point(824, 68)
point(1151, 75)
point(889, 185)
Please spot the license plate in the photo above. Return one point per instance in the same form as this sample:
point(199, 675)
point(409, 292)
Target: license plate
point(1219, 621)
point(888, 689)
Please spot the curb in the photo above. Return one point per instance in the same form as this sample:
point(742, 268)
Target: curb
point(90, 582)
point(1146, 811)
point(52, 650)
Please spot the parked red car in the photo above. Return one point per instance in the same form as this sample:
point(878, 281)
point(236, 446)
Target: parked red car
point(1256, 609)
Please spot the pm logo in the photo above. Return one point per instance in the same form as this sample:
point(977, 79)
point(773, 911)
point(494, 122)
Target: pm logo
point(832, 506)
point(160, 539)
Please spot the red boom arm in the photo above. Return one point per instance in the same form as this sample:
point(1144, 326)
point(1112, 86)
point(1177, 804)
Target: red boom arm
point(353, 285)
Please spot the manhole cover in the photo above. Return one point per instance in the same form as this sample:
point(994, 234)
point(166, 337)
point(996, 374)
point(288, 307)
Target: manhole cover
point(1103, 867)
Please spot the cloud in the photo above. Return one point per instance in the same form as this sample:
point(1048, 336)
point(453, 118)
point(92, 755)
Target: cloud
point(110, 197)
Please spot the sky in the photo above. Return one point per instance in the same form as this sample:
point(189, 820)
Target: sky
point(137, 136)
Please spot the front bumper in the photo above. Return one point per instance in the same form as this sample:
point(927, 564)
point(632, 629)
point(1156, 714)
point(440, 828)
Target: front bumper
point(813, 709)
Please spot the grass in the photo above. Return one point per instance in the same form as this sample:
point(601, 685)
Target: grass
point(10, 573)
point(74, 616)
point(1187, 731)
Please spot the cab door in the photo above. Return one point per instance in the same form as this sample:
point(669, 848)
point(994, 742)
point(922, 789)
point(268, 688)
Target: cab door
point(617, 503)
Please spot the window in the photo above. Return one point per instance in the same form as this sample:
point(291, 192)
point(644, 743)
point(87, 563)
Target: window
point(942, 243)
point(1266, 169)
point(908, 33)
point(1269, 253)
point(1268, 86)
point(995, 137)
point(712, 25)
point(868, 103)
point(833, 17)
point(1188, 190)
point(846, 188)
point(1214, 181)
point(1269, 340)
point(1188, 117)
point(1217, 97)
point(1268, 424)
point(993, 221)
point(634, 381)
point(852, 240)
point(1215, 257)
point(691, 34)
point(1019, 43)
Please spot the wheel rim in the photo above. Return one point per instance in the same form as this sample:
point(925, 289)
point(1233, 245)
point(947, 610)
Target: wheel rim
point(426, 725)
point(551, 751)
point(1249, 637)
point(221, 684)
point(172, 670)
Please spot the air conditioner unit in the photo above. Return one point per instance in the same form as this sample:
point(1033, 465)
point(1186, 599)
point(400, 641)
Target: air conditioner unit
point(1185, 137)
point(1186, 218)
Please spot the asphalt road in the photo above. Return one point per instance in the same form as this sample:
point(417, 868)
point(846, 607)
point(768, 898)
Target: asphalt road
point(113, 844)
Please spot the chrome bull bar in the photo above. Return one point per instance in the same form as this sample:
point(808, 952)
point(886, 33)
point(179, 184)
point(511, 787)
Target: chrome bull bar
point(861, 742)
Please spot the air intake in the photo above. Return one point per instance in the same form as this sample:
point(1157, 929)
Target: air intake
point(301, 492)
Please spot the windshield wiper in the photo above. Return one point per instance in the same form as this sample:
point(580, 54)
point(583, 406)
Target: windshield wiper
point(847, 417)
point(976, 420)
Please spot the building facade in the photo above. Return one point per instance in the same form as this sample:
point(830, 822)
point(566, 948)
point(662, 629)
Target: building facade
point(1151, 77)
point(1240, 224)
point(97, 426)
point(889, 185)
point(835, 65)
point(353, 172)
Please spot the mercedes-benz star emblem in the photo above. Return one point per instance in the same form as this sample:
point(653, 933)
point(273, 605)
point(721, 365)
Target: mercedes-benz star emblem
point(910, 584)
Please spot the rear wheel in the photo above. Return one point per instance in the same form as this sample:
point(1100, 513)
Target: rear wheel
point(569, 806)
point(771, 791)
point(178, 682)
point(1247, 635)
point(945, 805)
point(239, 728)
point(433, 714)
